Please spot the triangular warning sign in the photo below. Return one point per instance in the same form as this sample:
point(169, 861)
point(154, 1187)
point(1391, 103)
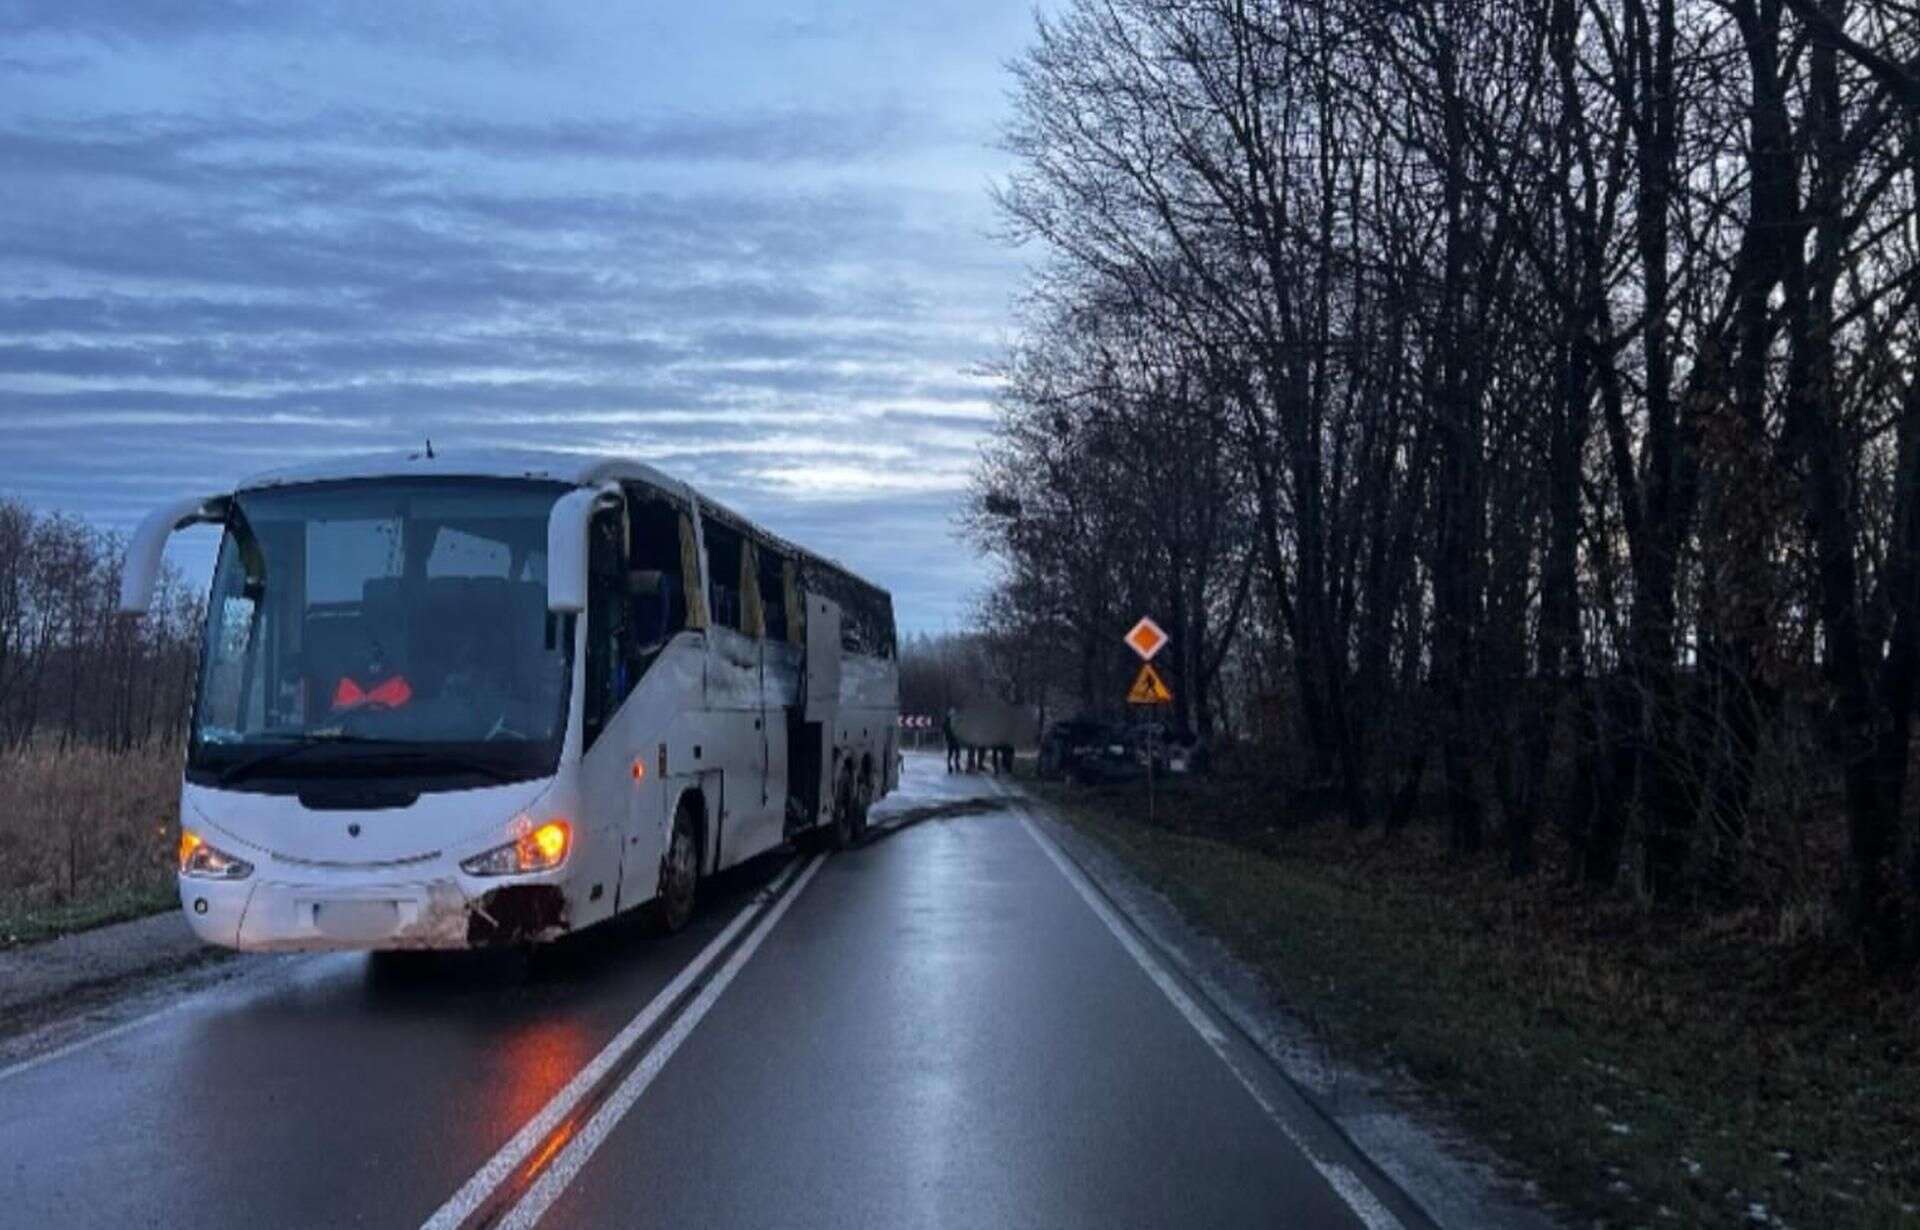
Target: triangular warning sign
point(1149, 688)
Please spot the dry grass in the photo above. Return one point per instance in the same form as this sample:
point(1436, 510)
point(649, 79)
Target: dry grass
point(86, 837)
point(1648, 1068)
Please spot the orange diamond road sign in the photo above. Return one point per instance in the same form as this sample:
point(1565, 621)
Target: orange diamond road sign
point(1148, 688)
point(1146, 639)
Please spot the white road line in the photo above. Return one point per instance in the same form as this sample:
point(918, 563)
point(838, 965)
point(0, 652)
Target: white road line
point(1339, 1177)
point(474, 1192)
point(554, 1179)
point(81, 1044)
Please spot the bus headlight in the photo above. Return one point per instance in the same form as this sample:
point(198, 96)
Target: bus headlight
point(540, 849)
point(205, 862)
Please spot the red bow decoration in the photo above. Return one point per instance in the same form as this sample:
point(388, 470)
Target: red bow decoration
point(391, 693)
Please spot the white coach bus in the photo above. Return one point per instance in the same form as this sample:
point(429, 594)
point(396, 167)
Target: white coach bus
point(450, 702)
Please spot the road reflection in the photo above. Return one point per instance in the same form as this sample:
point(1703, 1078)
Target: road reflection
point(536, 1060)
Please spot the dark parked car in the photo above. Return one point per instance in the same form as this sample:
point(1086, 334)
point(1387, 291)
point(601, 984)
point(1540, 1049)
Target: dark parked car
point(1086, 750)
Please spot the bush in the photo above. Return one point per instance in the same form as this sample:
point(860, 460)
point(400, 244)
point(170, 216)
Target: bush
point(86, 836)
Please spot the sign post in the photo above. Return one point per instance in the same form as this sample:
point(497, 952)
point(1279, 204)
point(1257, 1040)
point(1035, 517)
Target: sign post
point(1146, 638)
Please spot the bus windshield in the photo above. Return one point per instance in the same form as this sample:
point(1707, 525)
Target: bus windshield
point(385, 627)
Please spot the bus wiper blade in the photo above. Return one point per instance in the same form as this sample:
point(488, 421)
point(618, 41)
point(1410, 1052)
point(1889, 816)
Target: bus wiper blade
point(245, 768)
point(429, 754)
point(383, 749)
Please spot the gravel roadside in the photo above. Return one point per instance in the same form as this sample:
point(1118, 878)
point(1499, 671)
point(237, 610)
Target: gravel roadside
point(76, 976)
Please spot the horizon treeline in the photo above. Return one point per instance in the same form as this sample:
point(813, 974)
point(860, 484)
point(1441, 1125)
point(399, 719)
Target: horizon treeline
point(73, 672)
point(1517, 398)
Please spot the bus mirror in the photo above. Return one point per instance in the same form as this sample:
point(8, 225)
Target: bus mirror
point(142, 567)
point(567, 529)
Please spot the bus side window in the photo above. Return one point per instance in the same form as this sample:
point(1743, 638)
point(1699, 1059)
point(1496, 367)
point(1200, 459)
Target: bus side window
point(690, 574)
point(866, 625)
point(796, 609)
point(725, 568)
point(773, 591)
point(753, 612)
point(656, 582)
point(609, 674)
point(855, 618)
point(885, 632)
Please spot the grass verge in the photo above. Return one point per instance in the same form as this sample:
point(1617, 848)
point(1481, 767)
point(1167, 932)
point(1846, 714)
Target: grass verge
point(1644, 1068)
point(33, 926)
point(87, 837)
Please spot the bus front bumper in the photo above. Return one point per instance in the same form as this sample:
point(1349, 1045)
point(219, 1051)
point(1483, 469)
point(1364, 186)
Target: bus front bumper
point(256, 915)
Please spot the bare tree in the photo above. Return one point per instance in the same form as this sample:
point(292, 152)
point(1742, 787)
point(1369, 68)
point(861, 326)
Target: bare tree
point(71, 670)
point(1548, 368)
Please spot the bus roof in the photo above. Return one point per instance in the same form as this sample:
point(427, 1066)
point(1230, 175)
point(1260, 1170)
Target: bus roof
point(580, 469)
point(552, 465)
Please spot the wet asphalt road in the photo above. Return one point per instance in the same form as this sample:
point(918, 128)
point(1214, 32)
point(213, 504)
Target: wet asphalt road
point(934, 1029)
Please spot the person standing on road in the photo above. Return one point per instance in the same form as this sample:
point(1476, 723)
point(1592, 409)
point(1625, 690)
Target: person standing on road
point(953, 741)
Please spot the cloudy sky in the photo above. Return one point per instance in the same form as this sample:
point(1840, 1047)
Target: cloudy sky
point(750, 242)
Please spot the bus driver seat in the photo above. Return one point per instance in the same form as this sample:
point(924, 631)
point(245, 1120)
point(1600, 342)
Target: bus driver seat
point(376, 678)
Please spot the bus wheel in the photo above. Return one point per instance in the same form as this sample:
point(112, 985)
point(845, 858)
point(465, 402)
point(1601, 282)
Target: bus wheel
point(679, 876)
point(843, 804)
point(862, 804)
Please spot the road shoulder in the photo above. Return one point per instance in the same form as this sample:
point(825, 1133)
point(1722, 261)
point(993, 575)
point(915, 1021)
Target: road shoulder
point(1454, 1179)
point(56, 992)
